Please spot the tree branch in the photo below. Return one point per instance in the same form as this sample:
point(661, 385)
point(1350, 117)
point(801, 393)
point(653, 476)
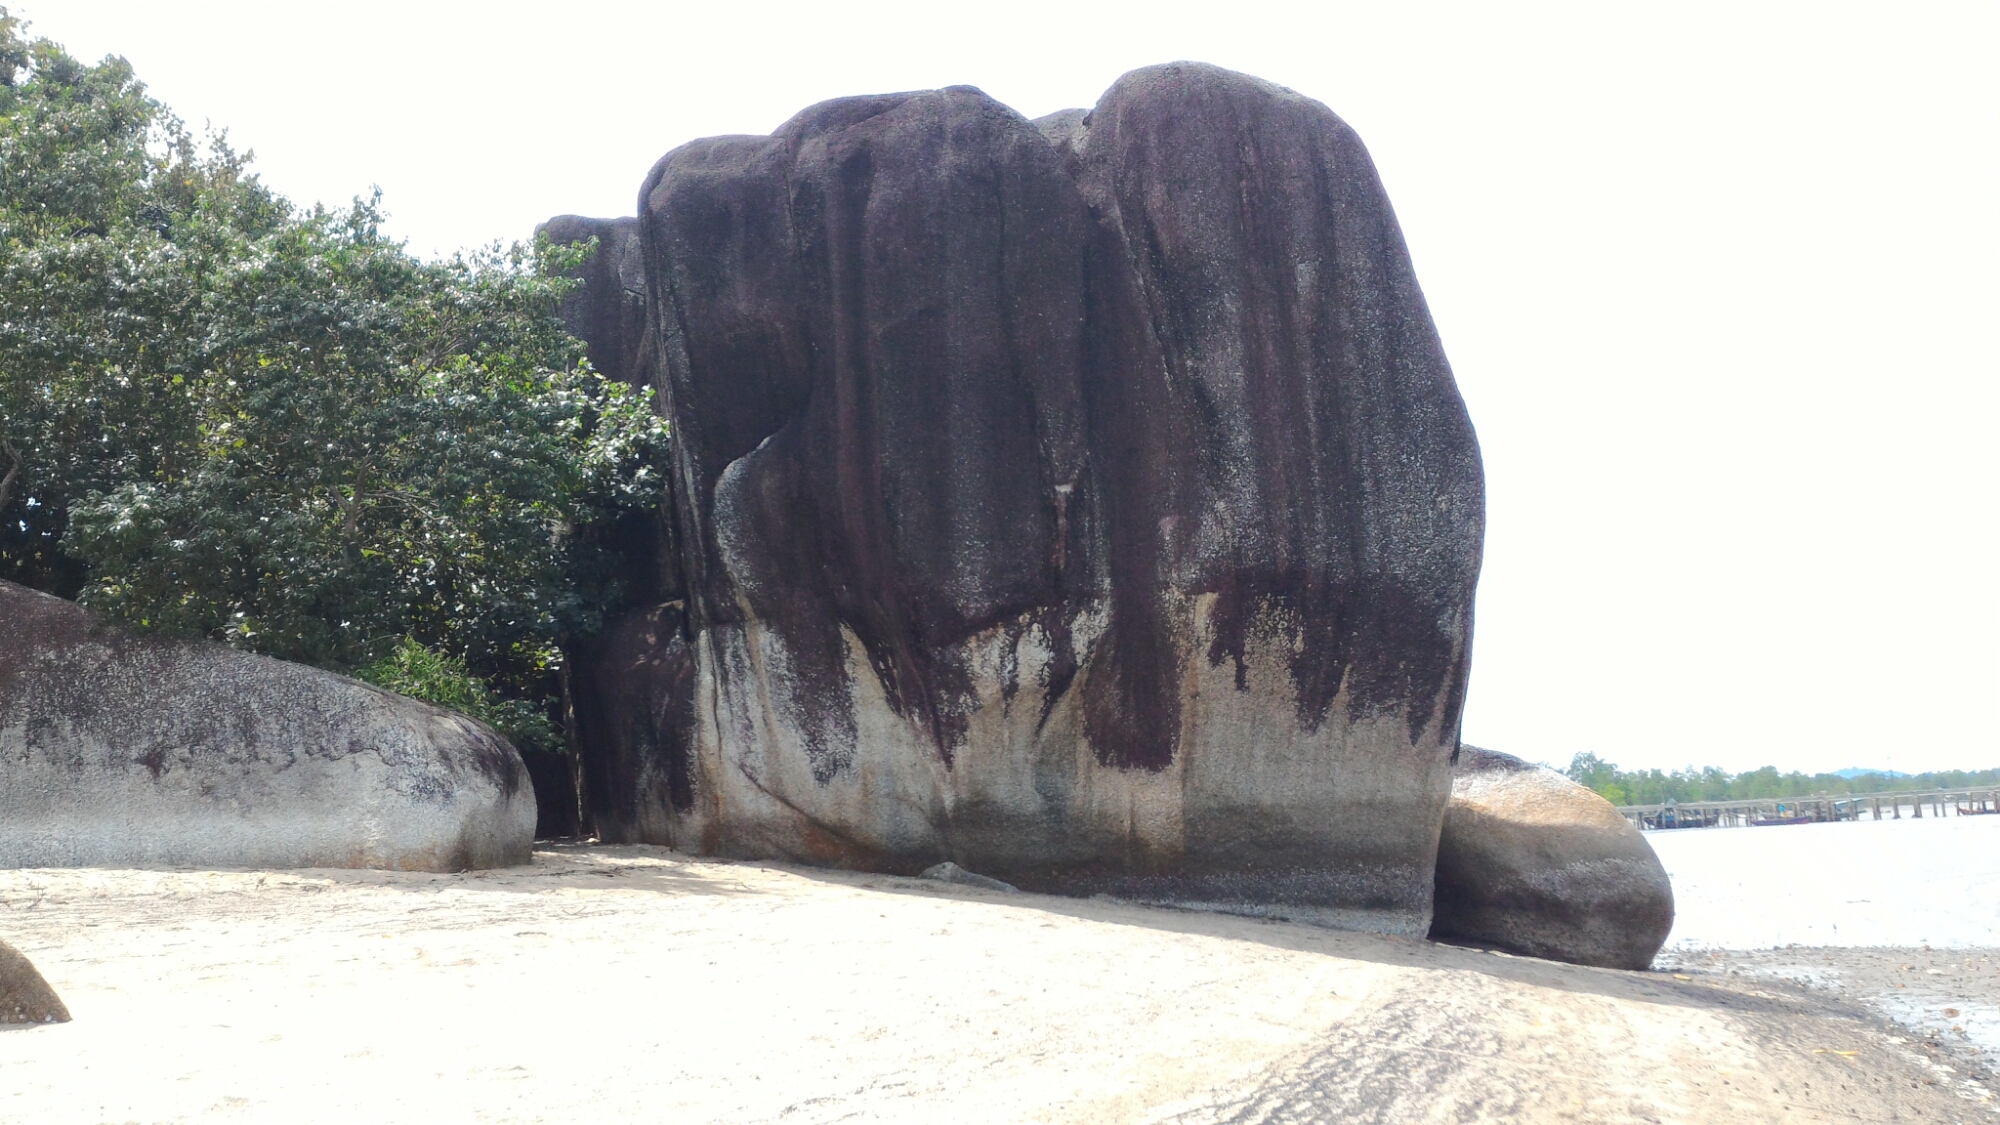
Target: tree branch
point(13, 473)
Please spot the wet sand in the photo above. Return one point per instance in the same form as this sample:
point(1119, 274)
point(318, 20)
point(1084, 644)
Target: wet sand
point(1946, 1001)
point(616, 984)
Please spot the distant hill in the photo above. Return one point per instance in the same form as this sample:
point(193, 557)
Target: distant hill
point(1852, 772)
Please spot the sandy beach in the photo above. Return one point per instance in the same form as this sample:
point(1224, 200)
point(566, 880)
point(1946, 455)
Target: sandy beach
point(636, 984)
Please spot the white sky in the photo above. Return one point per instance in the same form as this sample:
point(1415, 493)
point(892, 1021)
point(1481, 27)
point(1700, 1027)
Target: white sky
point(1719, 283)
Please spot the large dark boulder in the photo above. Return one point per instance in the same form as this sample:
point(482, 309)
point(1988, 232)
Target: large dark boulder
point(1087, 502)
point(1532, 862)
point(119, 749)
point(25, 998)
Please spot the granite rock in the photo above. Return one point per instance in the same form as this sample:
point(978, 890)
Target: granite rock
point(1530, 861)
point(1084, 501)
point(25, 998)
point(119, 749)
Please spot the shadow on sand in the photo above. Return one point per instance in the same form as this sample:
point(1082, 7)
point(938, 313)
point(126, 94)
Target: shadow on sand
point(658, 870)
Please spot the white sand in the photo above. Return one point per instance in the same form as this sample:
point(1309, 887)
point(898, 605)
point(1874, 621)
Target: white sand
point(1934, 881)
point(635, 985)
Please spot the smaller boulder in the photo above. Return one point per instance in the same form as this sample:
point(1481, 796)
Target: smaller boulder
point(1531, 862)
point(24, 996)
point(123, 749)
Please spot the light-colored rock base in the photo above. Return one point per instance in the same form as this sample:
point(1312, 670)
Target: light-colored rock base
point(631, 984)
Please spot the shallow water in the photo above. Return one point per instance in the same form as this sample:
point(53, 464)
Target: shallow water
point(1934, 881)
point(1977, 1024)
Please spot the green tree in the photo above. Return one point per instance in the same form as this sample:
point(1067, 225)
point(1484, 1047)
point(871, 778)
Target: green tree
point(227, 416)
point(374, 447)
point(110, 216)
point(1599, 776)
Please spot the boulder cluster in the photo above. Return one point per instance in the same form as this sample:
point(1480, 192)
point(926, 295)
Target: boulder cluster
point(1083, 502)
point(1086, 502)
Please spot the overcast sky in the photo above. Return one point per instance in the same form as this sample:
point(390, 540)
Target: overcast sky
point(1719, 283)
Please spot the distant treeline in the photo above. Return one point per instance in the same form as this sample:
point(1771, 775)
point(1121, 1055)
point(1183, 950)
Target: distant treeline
point(1653, 787)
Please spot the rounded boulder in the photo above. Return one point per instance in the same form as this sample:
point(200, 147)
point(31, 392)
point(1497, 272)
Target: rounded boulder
point(122, 749)
point(1531, 862)
point(24, 996)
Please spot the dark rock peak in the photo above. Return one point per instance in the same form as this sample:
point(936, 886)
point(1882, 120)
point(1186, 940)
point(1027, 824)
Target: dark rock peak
point(608, 312)
point(880, 316)
point(1065, 129)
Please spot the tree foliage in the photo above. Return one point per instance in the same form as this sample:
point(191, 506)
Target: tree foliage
point(420, 672)
point(224, 415)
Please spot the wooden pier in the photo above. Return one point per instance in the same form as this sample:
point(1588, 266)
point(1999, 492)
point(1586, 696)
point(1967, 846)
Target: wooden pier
point(1811, 810)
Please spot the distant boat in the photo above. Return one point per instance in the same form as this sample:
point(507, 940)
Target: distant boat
point(1681, 820)
point(1789, 813)
point(1852, 772)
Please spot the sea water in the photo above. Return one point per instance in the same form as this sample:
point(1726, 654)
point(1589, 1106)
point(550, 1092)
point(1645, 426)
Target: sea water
point(1934, 881)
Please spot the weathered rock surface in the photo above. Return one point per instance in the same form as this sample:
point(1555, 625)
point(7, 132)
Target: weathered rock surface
point(24, 996)
point(949, 872)
point(1532, 862)
point(119, 750)
point(1087, 502)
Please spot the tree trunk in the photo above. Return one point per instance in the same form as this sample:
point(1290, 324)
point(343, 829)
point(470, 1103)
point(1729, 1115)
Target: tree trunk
point(575, 747)
point(13, 473)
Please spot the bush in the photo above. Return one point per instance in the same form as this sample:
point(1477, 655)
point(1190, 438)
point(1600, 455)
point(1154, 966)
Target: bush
point(420, 672)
